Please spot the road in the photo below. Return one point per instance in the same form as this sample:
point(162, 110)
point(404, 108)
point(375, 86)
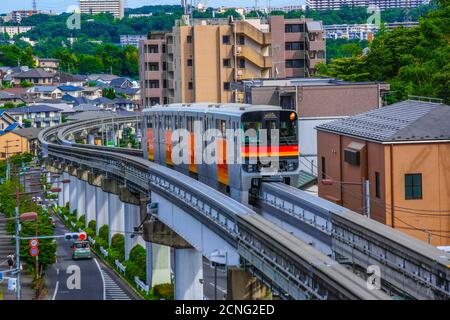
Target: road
point(96, 280)
point(208, 282)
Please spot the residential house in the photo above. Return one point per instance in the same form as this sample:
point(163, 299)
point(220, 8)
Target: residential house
point(45, 92)
point(39, 116)
point(403, 152)
point(49, 65)
point(31, 134)
point(103, 78)
point(92, 92)
point(6, 121)
point(6, 97)
point(11, 144)
point(35, 76)
point(74, 91)
point(124, 104)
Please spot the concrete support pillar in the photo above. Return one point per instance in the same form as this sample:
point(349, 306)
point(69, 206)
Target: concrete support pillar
point(81, 194)
point(66, 189)
point(61, 195)
point(101, 208)
point(73, 194)
point(188, 274)
point(158, 264)
point(132, 220)
point(90, 203)
point(115, 216)
point(90, 139)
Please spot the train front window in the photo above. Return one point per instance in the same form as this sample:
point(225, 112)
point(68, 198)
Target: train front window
point(251, 138)
point(288, 128)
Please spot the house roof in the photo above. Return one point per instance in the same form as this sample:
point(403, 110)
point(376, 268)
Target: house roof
point(44, 88)
point(34, 73)
point(404, 121)
point(6, 95)
point(70, 88)
point(103, 100)
point(102, 76)
point(118, 82)
point(86, 107)
point(314, 26)
point(29, 133)
point(66, 77)
point(33, 108)
point(87, 115)
point(120, 100)
point(128, 91)
point(306, 179)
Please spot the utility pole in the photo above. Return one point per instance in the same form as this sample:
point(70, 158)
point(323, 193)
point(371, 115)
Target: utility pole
point(367, 198)
point(34, 6)
point(18, 291)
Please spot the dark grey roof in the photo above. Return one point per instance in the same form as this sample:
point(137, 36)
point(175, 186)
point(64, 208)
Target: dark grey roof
point(404, 121)
point(34, 73)
point(33, 108)
point(29, 133)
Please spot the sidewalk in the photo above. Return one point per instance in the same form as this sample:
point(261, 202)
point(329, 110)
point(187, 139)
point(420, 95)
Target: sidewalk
point(6, 248)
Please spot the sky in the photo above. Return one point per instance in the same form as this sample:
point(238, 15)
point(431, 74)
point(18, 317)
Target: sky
point(61, 5)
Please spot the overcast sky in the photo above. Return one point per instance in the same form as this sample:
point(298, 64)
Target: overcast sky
point(61, 5)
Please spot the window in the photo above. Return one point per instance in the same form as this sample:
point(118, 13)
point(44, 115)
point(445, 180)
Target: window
point(153, 66)
point(164, 66)
point(164, 83)
point(154, 84)
point(377, 185)
point(293, 28)
point(226, 39)
point(324, 168)
point(154, 101)
point(352, 157)
point(190, 86)
point(241, 63)
point(163, 48)
point(153, 48)
point(189, 39)
point(289, 46)
point(189, 62)
point(241, 40)
point(413, 186)
point(226, 86)
point(295, 63)
point(226, 63)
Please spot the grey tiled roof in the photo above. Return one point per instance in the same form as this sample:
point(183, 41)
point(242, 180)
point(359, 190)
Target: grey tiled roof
point(404, 121)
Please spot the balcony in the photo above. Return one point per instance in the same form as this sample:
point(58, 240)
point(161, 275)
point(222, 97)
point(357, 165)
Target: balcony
point(170, 84)
point(264, 38)
point(170, 67)
point(254, 57)
point(317, 45)
point(243, 74)
point(170, 49)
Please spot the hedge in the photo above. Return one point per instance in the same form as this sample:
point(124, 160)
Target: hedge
point(136, 265)
point(118, 245)
point(103, 232)
point(92, 225)
point(164, 291)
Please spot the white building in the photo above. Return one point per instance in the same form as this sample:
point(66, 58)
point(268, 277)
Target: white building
point(131, 39)
point(382, 4)
point(14, 30)
point(115, 7)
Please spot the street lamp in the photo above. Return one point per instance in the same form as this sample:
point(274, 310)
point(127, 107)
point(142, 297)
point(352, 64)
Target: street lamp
point(218, 259)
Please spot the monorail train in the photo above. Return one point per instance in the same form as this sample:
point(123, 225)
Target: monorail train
point(237, 178)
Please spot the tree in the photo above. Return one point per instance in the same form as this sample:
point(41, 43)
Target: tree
point(109, 93)
point(8, 105)
point(26, 84)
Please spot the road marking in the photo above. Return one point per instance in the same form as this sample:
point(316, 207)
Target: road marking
point(219, 288)
point(56, 290)
point(103, 278)
point(113, 290)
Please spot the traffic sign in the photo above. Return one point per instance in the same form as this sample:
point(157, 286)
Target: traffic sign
point(34, 242)
point(34, 251)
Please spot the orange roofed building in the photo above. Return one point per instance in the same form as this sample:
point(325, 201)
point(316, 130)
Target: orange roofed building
point(403, 150)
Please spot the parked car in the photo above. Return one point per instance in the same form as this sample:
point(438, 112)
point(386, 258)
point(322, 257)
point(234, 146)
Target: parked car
point(81, 250)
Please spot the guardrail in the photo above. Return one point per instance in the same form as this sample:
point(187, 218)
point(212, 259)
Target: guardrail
point(120, 266)
point(103, 251)
point(141, 285)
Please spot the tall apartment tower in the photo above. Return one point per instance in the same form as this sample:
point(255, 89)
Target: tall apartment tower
point(115, 7)
point(200, 59)
point(382, 4)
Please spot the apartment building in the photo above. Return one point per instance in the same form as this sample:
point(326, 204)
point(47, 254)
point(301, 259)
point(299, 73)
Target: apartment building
point(382, 4)
point(115, 7)
point(200, 59)
point(131, 39)
point(403, 151)
point(11, 31)
point(297, 46)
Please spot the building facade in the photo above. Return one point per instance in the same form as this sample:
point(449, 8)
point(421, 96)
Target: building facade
point(39, 116)
point(382, 4)
point(115, 7)
point(182, 67)
point(11, 144)
point(131, 39)
point(11, 31)
point(403, 152)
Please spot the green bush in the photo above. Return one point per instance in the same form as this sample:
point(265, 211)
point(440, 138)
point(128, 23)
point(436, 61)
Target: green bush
point(82, 219)
point(118, 244)
point(103, 232)
point(92, 225)
point(99, 242)
point(164, 291)
point(133, 270)
point(136, 265)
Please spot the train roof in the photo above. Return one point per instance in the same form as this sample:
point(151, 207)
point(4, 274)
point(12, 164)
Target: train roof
point(223, 108)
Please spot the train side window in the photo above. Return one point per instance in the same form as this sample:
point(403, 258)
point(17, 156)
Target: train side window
point(221, 125)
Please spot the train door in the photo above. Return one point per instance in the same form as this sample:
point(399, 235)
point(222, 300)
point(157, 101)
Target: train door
point(168, 124)
point(222, 124)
